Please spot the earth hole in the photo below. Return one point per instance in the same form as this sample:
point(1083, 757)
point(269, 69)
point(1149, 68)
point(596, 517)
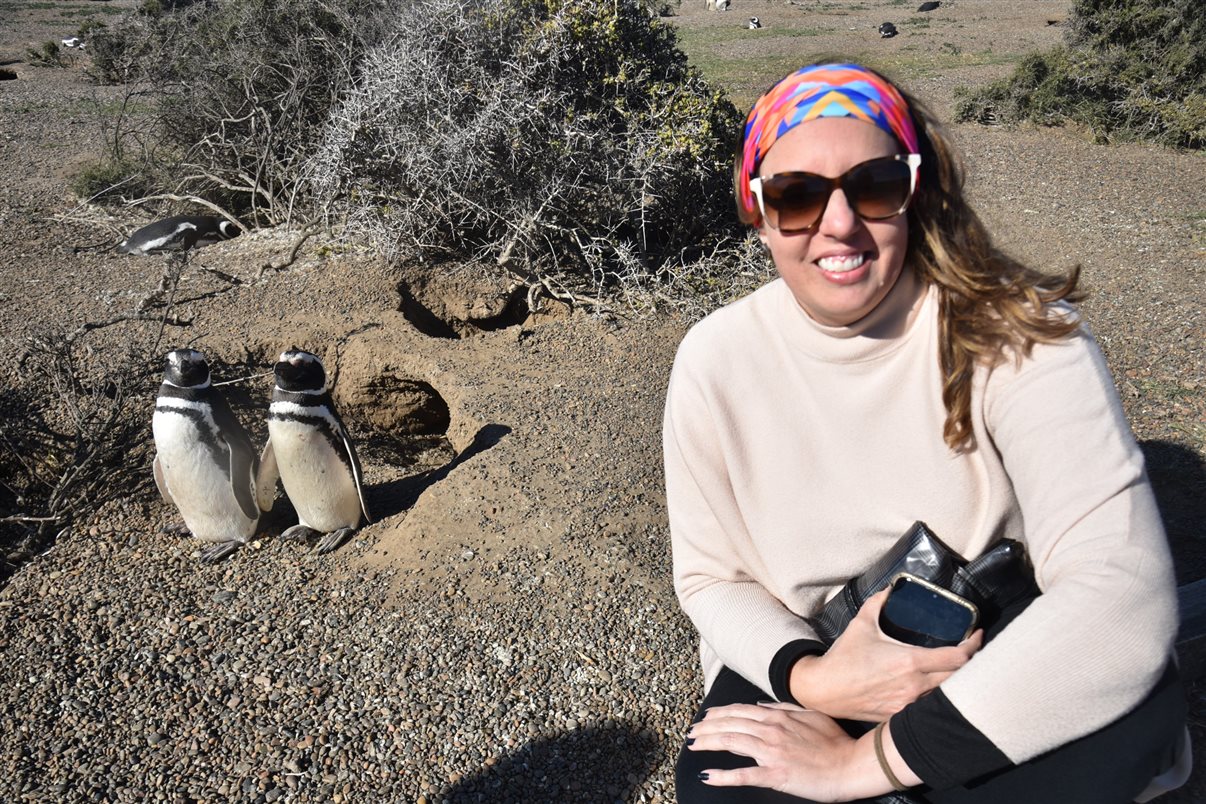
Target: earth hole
point(461, 300)
point(401, 427)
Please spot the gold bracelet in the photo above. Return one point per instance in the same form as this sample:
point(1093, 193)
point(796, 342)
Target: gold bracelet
point(878, 740)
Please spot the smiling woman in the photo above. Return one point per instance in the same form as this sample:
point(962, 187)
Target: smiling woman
point(903, 368)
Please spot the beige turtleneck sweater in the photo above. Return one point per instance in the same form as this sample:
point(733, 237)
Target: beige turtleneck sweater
point(796, 454)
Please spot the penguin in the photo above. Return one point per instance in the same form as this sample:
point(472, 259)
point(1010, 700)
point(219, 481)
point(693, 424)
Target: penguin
point(930, 6)
point(178, 233)
point(204, 461)
point(887, 30)
point(310, 450)
point(754, 24)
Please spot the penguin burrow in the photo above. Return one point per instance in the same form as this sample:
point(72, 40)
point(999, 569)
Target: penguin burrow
point(204, 463)
point(310, 450)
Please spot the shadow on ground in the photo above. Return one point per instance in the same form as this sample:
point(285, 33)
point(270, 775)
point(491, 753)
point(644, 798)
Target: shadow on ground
point(1178, 478)
point(390, 499)
point(594, 764)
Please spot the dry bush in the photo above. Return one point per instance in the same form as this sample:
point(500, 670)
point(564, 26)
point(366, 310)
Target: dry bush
point(75, 429)
point(566, 137)
point(238, 93)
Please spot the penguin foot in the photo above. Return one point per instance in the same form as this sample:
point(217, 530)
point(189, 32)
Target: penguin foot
point(215, 553)
point(179, 529)
point(300, 533)
point(334, 540)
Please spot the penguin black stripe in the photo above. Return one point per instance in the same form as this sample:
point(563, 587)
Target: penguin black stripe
point(320, 423)
point(209, 438)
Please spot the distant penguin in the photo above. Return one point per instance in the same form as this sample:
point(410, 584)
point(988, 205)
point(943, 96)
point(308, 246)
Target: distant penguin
point(722, 5)
point(204, 462)
point(179, 233)
point(309, 447)
point(930, 6)
point(754, 24)
point(887, 30)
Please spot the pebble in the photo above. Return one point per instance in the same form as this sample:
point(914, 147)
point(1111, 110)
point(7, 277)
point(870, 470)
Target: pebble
point(321, 685)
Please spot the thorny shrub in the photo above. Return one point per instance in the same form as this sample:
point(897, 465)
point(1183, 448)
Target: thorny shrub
point(563, 136)
point(240, 92)
point(1130, 69)
point(567, 140)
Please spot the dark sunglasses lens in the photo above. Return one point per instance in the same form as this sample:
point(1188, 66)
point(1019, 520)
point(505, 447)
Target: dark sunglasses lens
point(794, 202)
point(879, 189)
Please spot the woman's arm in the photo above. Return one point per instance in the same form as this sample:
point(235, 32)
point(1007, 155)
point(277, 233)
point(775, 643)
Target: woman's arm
point(1096, 641)
point(735, 615)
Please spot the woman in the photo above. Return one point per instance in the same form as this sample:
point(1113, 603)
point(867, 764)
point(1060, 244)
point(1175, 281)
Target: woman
point(903, 369)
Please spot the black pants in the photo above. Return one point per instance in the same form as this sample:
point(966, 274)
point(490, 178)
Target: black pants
point(1112, 764)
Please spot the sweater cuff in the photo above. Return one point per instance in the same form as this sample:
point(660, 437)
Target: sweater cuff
point(952, 752)
point(788, 655)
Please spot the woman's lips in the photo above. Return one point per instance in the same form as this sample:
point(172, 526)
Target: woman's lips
point(845, 269)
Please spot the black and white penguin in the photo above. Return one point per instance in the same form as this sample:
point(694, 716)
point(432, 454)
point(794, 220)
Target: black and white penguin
point(887, 30)
point(309, 447)
point(754, 24)
point(204, 462)
point(178, 233)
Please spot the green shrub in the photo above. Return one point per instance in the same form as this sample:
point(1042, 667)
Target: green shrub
point(110, 180)
point(560, 135)
point(47, 54)
point(1129, 69)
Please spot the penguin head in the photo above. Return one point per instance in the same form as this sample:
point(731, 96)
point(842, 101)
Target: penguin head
point(186, 368)
point(229, 230)
point(301, 371)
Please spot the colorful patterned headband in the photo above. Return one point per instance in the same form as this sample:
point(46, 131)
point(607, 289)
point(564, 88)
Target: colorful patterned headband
point(822, 90)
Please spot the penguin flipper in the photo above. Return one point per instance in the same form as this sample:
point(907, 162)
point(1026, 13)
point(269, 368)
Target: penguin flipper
point(242, 478)
point(243, 463)
point(357, 472)
point(266, 477)
point(160, 482)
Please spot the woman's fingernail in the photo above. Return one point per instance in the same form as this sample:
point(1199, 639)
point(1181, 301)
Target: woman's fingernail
point(690, 740)
point(703, 776)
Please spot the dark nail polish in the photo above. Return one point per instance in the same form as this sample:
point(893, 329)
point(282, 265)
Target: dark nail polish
point(703, 776)
point(690, 740)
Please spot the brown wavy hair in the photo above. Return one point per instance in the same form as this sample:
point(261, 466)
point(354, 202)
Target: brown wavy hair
point(990, 305)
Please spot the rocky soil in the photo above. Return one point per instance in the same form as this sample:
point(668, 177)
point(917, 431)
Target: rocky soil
point(506, 629)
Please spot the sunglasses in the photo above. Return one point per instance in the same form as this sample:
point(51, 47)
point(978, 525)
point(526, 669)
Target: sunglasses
point(876, 190)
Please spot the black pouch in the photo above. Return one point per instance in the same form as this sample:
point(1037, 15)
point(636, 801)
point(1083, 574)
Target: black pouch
point(1000, 578)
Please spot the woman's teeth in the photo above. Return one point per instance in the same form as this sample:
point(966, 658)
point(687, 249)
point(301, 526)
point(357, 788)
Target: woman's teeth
point(840, 265)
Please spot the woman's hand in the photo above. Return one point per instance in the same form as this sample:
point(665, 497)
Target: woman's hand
point(869, 676)
point(798, 751)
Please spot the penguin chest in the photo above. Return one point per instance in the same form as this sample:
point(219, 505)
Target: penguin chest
point(197, 478)
point(319, 483)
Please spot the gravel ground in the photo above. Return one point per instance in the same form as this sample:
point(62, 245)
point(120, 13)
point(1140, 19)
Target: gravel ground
point(506, 630)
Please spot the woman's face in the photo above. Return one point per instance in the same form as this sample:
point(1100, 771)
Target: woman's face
point(843, 267)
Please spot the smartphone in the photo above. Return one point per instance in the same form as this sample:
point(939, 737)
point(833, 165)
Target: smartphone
point(918, 612)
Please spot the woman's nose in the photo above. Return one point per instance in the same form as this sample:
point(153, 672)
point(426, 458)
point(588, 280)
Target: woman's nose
point(839, 218)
